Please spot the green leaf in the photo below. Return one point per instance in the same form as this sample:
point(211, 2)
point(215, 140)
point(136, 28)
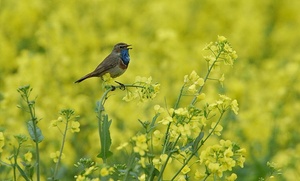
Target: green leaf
point(197, 141)
point(23, 174)
point(32, 129)
point(105, 138)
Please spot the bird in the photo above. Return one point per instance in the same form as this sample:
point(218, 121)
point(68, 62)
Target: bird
point(115, 63)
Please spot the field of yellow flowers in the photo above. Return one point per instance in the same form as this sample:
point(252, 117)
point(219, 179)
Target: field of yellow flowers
point(248, 109)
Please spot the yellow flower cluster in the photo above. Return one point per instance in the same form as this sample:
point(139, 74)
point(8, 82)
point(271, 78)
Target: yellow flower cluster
point(88, 171)
point(193, 82)
point(222, 157)
point(28, 156)
point(224, 103)
point(158, 162)
point(55, 156)
point(140, 144)
point(75, 125)
point(222, 50)
point(144, 90)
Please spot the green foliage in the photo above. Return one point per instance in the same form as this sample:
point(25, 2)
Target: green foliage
point(105, 138)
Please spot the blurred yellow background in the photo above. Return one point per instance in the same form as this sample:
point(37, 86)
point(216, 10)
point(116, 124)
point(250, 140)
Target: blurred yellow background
point(50, 44)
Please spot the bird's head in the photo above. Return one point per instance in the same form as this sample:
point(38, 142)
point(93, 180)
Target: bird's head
point(121, 49)
point(121, 46)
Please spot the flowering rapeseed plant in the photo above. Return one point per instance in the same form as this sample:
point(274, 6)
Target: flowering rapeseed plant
point(47, 44)
point(176, 135)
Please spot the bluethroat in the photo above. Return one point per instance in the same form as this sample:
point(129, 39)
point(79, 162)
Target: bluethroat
point(115, 63)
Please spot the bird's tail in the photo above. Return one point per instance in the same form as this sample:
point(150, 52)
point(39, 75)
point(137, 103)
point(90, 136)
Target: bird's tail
point(84, 77)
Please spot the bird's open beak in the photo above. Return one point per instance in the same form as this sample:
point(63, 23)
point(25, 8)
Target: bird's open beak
point(128, 47)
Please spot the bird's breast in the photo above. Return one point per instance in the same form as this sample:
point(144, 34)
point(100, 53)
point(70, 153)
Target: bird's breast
point(122, 65)
point(118, 70)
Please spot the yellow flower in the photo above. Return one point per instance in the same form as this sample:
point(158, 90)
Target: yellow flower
point(164, 158)
point(228, 152)
point(221, 39)
point(157, 135)
point(55, 122)
point(142, 177)
point(200, 82)
point(240, 161)
point(166, 120)
point(181, 111)
point(192, 89)
point(75, 126)
point(104, 172)
point(232, 177)
point(217, 130)
point(158, 109)
point(28, 156)
point(80, 178)
point(111, 169)
point(89, 170)
point(235, 106)
point(107, 79)
point(157, 163)
point(213, 167)
point(186, 169)
point(201, 96)
point(224, 97)
point(55, 156)
point(142, 161)
point(141, 145)
point(199, 175)
point(192, 78)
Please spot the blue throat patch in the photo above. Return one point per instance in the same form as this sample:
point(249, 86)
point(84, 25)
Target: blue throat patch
point(125, 56)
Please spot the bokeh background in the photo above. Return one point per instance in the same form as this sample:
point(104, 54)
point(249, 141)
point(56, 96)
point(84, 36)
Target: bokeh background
point(50, 44)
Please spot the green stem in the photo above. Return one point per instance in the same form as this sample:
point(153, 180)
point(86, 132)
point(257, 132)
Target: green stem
point(169, 156)
point(130, 166)
point(34, 122)
point(100, 107)
point(206, 177)
point(61, 149)
point(100, 110)
point(206, 77)
point(175, 107)
point(15, 163)
point(166, 138)
point(179, 97)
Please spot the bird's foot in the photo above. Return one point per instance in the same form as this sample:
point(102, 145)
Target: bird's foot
point(122, 86)
point(113, 88)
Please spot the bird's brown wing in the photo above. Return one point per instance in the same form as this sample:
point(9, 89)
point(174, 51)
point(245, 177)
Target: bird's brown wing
point(109, 62)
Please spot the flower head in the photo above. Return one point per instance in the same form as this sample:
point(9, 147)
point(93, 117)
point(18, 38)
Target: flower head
point(140, 144)
point(55, 156)
point(75, 126)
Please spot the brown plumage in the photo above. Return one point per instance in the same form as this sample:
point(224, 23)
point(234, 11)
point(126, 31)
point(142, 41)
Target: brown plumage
point(115, 63)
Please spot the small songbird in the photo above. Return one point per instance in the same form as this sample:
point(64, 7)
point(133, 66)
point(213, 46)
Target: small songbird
point(115, 63)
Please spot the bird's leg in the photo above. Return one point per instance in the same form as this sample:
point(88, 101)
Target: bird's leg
point(113, 88)
point(122, 85)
